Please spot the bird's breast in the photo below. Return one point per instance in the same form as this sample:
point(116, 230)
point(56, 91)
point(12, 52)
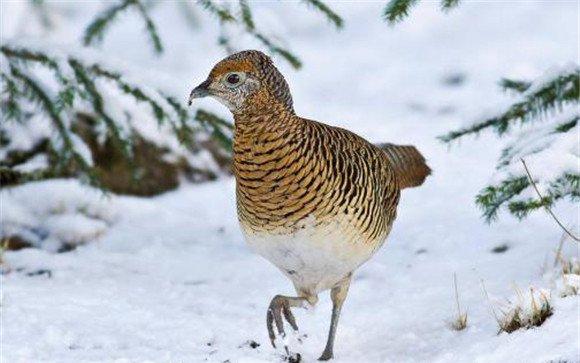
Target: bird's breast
point(313, 256)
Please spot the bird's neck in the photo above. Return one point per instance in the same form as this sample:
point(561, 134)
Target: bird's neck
point(261, 114)
point(253, 124)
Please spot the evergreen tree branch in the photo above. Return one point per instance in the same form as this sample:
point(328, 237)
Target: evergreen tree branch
point(10, 176)
point(275, 49)
point(512, 151)
point(333, 17)
point(36, 94)
point(215, 123)
point(568, 125)
point(561, 90)
point(158, 111)
point(10, 108)
point(516, 86)
point(150, 27)
point(221, 13)
point(95, 31)
point(397, 10)
point(545, 205)
point(184, 132)
point(25, 55)
point(447, 5)
point(97, 101)
point(493, 197)
point(76, 79)
point(247, 17)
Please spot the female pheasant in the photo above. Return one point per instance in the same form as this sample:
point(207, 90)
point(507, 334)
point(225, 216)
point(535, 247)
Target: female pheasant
point(315, 200)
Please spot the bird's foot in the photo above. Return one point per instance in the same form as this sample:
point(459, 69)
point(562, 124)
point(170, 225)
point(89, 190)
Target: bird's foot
point(326, 355)
point(278, 311)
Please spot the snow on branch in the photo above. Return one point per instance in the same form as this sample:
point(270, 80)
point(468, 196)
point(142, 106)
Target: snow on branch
point(540, 99)
point(547, 111)
point(39, 85)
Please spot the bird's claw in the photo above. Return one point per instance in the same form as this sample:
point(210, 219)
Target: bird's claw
point(279, 307)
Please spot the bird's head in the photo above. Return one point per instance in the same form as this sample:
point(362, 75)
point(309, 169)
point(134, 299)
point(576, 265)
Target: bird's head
point(246, 80)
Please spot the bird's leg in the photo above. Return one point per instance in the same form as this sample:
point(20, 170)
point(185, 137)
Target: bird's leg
point(338, 295)
point(280, 306)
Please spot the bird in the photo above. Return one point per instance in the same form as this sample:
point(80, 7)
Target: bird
point(315, 200)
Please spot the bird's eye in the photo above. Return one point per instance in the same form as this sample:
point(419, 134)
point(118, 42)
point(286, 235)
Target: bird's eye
point(234, 79)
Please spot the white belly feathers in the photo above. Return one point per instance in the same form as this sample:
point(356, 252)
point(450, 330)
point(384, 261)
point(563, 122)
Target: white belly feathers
point(314, 258)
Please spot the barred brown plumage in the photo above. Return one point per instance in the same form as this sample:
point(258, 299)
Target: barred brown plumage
point(315, 200)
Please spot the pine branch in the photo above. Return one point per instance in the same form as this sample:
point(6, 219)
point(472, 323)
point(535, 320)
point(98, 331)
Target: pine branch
point(97, 101)
point(10, 108)
point(547, 201)
point(150, 27)
point(516, 86)
point(563, 89)
point(214, 124)
point(328, 12)
point(275, 49)
point(220, 12)
point(493, 197)
point(447, 5)
point(76, 79)
point(568, 125)
point(512, 151)
point(250, 28)
point(95, 31)
point(25, 55)
point(36, 94)
point(247, 17)
point(10, 176)
point(184, 132)
point(160, 115)
point(397, 10)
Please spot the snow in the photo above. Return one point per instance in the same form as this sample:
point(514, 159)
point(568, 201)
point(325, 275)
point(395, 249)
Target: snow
point(170, 279)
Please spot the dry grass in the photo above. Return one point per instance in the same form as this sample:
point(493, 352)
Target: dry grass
point(3, 248)
point(460, 321)
point(570, 285)
point(570, 271)
point(570, 266)
point(525, 313)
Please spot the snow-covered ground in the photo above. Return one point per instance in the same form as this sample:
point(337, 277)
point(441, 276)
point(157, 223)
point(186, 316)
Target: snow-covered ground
point(169, 278)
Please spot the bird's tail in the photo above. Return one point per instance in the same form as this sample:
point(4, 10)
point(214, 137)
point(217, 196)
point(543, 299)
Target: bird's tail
point(409, 164)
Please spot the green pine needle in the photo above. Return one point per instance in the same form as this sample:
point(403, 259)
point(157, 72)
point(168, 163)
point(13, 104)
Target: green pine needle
point(516, 86)
point(447, 5)
point(275, 49)
point(221, 13)
point(247, 17)
point(551, 96)
point(397, 10)
point(96, 29)
point(333, 17)
point(150, 27)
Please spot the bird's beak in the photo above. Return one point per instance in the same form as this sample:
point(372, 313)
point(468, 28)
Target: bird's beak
point(200, 91)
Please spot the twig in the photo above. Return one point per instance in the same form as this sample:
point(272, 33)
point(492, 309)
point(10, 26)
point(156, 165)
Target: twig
point(559, 250)
point(460, 322)
point(546, 206)
point(497, 319)
point(456, 293)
